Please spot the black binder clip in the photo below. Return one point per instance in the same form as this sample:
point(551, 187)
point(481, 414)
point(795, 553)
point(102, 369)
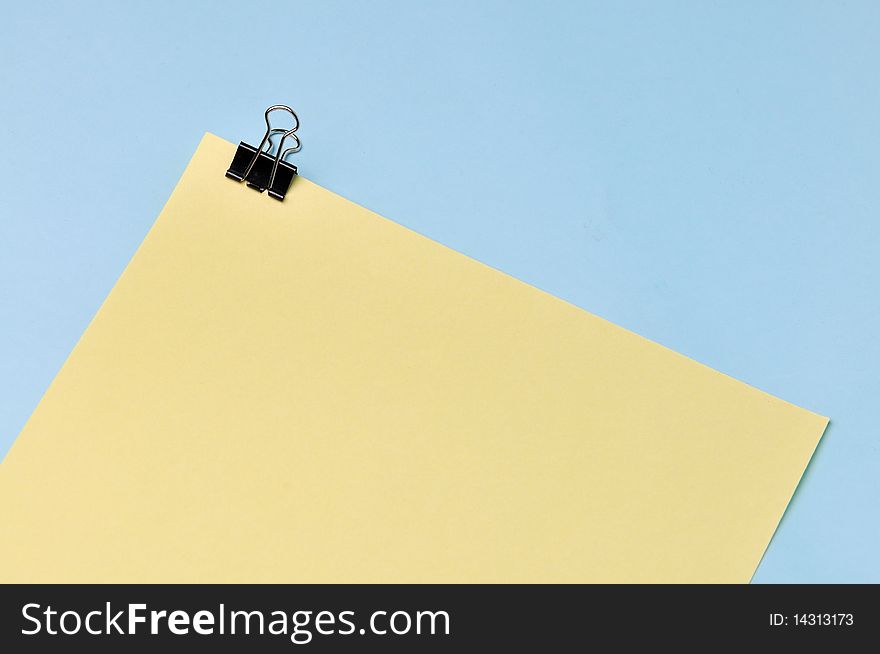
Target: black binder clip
point(258, 168)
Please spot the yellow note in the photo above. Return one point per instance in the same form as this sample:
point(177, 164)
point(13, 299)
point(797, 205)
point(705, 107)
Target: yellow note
point(307, 392)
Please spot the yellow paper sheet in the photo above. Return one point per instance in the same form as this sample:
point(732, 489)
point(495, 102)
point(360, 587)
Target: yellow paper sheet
point(307, 392)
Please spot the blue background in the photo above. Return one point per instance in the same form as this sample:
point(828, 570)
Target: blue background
point(705, 174)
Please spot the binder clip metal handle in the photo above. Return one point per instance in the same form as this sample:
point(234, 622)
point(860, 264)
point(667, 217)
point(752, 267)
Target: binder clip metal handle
point(258, 168)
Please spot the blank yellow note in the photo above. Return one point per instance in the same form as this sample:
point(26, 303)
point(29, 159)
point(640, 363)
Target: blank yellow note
point(307, 392)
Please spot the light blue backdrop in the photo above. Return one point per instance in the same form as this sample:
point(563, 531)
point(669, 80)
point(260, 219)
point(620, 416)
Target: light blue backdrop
point(705, 174)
